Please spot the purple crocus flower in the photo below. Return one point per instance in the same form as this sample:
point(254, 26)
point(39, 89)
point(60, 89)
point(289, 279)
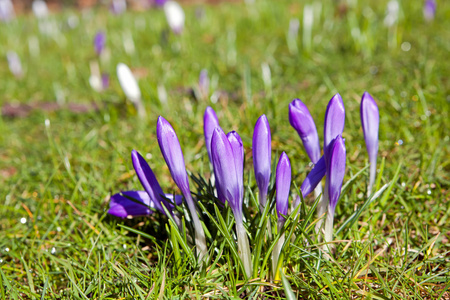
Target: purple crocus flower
point(429, 9)
point(171, 150)
point(227, 154)
point(122, 206)
point(370, 120)
point(283, 185)
point(262, 157)
point(335, 177)
point(105, 81)
point(210, 121)
point(99, 42)
point(314, 177)
point(333, 127)
point(149, 181)
point(238, 153)
point(303, 123)
point(160, 2)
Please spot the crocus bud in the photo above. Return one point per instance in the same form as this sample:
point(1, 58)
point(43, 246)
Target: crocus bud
point(175, 16)
point(39, 8)
point(335, 177)
point(149, 181)
point(314, 177)
point(334, 122)
point(303, 123)
point(370, 120)
point(130, 204)
point(171, 150)
point(99, 42)
point(224, 164)
point(283, 185)
point(238, 153)
point(210, 121)
point(262, 157)
point(118, 6)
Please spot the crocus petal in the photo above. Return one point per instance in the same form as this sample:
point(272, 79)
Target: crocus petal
point(99, 42)
point(149, 181)
point(171, 150)
point(6, 10)
point(334, 122)
point(225, 170)
point(122, 205)
point(262, 157)
point(314, 177)
point(283, 185)
point(175, 16)
point(238, 153)
point(128, 83)
point(370, 120)
point(336, 170)
point(429, 9)
point(210, 121)
point(178, 198)
point(303, 123)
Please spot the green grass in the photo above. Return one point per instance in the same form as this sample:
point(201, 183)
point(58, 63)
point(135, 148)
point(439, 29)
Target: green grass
point(58, 178)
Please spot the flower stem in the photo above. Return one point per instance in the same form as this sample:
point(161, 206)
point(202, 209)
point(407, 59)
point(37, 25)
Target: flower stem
point(321, 209)
point(373, 173)
point(277, 249)
point(200, 239)
point(329, 228)
point(244, 247)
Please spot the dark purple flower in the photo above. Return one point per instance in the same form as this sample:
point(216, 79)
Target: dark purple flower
point(210, 121)
point(122, 206)
point(429, 9)
point(149, 181)
point(224, 163)
point(160, 2)
point(262, 157)
point(370, 120)
point(99, 42)
point(314, 177)
point(283, 185)
point(303, 123)
point(334, 123)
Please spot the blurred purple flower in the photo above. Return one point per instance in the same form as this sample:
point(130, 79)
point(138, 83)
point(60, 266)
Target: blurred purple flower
point(262, 157)
point(105, 81)
point(283, 186)
point(303, 123)
point(118, 6)
point(175, 16)
point(15, 66)
point(160, 2)
point(429, 9)
point(99, 42)
point(203, 83)
point(370, 120)
point(6, 10)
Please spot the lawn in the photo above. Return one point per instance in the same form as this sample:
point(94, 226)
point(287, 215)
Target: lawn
point(65, 150)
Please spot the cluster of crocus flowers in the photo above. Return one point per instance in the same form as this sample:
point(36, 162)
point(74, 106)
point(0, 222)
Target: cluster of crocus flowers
point(226, 154)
